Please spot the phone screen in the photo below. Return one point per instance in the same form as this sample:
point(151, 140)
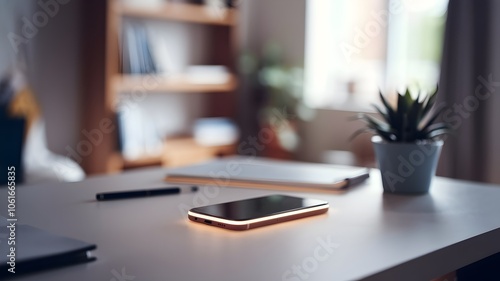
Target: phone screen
point(258, 207)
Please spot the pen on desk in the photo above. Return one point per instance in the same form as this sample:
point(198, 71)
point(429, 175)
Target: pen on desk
point(140, 193)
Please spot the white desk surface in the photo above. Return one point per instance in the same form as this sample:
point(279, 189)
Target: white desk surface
point(377, 236)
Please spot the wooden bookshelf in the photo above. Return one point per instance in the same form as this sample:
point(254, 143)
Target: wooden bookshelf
point(104, 81)
point(182, 12)
point(155, 84)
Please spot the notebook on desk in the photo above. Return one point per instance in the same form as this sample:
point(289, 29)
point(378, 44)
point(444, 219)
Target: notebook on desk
point(36, 250)
point(269, 174)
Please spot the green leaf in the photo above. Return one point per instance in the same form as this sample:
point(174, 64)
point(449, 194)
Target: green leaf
point(387, 136)
point(437, 133)
point(376, 123)
point(404, 132)
point(359, 132)
point(410, 120)
point(408, 98)
point(433, 118)
point(390, 111)
point(431, 99)
point(382, 129)
point(400, 124)
point(386, 116)
point(436, 127)
point(402, 107)
point(414, 116)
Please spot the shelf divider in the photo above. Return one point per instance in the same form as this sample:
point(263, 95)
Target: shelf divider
point(184, 12)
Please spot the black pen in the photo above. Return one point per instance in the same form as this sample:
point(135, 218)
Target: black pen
point(140, 193)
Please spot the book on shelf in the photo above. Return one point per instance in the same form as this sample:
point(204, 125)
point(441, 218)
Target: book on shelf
point(144, 3)
point(159, 3)
point(207, 74)
point(215, 131)
point(137, 135)
point(135, 47)
point(161, 47)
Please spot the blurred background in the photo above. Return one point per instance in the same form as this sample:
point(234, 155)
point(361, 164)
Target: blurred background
point(103, 86)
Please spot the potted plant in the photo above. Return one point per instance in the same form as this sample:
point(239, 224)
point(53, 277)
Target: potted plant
point(407, 142)
point(279, 89)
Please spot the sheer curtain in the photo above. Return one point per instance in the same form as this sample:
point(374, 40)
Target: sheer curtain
point(470, 88)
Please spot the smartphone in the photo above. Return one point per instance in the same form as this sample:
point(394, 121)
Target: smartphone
point(257, 212)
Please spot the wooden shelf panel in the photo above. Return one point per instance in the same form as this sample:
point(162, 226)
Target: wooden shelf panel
point(178, 152)
point(142, 162)
point(181, 12)
point(185, 151)
point(153, 84)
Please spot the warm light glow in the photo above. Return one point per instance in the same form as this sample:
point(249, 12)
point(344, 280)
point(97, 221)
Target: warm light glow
point(232, 222)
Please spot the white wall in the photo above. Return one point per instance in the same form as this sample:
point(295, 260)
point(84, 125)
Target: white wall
point(280, 21)
point(331, 130)
point(9, 11)
point(53, 65)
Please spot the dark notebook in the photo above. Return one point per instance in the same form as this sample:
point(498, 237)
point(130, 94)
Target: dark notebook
point(37, 249)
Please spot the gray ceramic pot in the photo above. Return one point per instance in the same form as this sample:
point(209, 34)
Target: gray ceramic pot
point(407, 168)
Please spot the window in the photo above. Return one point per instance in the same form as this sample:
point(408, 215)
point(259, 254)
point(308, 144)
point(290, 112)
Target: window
point(356, 47)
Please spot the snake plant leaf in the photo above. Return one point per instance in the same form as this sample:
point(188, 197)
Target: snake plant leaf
point(376, 123)
point(437, 126)
point(432, 118)
point(388, 107)
point(437, 133)
point(385, 115)
point(408, 98)
point(414, 113)
point(431, 99)
point(359, 132)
